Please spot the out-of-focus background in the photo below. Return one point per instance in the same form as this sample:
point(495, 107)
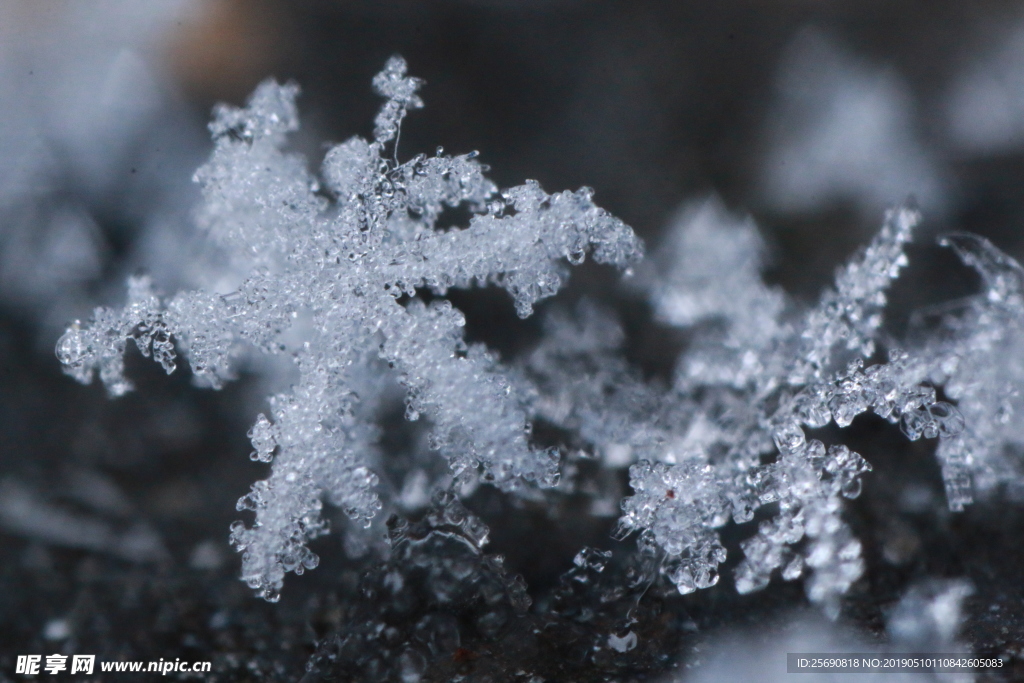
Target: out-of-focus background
point(812, 116)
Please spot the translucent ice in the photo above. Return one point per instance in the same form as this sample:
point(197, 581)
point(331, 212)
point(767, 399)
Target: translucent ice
point(350, 249)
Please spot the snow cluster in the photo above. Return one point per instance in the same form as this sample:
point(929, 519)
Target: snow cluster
point(728, 440)
point(729, 436)
point(336, 264)
point(348, 251)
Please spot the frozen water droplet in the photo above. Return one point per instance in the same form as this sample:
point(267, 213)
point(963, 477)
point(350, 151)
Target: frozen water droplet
point(71, 347)
point(789, 437)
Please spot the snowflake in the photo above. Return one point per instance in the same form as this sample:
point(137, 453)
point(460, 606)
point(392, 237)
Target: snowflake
point(347, 252)
point(728, 438)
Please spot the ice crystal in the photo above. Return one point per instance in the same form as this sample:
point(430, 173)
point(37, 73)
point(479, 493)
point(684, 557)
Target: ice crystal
point(334, 264)
point(973, 347)
point(729, 436)
point(348, 251)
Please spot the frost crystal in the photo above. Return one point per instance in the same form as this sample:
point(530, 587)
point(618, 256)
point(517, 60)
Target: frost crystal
point(333, 264)
point(973, 347)
point(348, 252)
point(728, 438)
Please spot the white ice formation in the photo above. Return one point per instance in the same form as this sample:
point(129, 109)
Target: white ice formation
point(729, 438)
point(349, 249)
